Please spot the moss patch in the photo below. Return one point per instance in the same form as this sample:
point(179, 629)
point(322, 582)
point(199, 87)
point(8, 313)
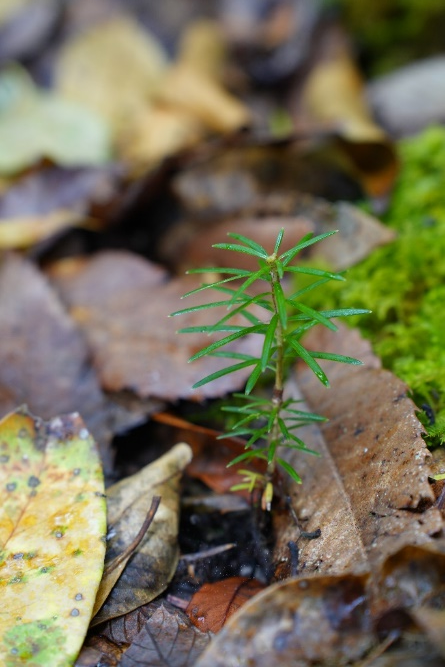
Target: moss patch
point(404, 282)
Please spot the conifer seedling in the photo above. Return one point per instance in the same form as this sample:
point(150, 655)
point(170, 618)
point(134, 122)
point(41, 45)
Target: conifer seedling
point(266, 422)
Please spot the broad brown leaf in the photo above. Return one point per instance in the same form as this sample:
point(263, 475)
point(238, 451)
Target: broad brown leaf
point(214, 603)
point(122, 303)
point(375, 439)
point(166, 639)
point(143, 575)
point(157, 634)
point(45, 358)
point(359, 234)
point(303, 622)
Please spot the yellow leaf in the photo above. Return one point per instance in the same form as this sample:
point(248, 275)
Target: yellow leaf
point(189, 89)
point(24, 231)
point(111, 69)
point(52, 526)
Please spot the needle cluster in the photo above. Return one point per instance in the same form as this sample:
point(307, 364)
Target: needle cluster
point(266, 422)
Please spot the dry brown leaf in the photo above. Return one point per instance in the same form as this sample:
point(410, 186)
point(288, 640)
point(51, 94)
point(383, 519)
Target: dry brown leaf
point(321, 621)
point(166, 639)
point(359, 234)
point(214, 603)
point(210, 455)
point(146, 573)
point(154, 635)
point(84, 190)
point(122, 304)
point(45, 358)
point(369, 493)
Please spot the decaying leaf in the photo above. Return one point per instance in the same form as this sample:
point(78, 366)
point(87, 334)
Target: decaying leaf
point(301, 622)
point(142, 576)
point(52, 526)
point(84, 190)
point(45, 356)
point(359, 233)
point(167, 639)
point(214, 603)
point(154, 635)
point(36, 125)
point(122, 303)
point(210, 455)
point(374, 437)
point(369, 492)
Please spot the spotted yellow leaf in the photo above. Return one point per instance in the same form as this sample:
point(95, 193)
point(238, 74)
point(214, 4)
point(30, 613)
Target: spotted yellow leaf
point(52, 544)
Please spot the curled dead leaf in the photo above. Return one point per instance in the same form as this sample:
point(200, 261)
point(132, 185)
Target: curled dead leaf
point(214, 603)
point(146, 570)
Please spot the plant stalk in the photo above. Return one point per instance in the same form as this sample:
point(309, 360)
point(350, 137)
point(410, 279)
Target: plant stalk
point(277, 393)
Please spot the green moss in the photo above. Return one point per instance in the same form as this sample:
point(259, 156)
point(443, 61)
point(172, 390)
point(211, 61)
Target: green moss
point(391, 33)
point(404, 283)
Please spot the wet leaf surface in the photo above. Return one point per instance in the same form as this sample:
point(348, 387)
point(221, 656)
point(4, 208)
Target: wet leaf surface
point(374, 437)
point(303, 622)
point(53, 524)
point(214, 603)
point(154, 635)
point(146, 573)
point(47, 358)
point(118, 298)
point(167, 639)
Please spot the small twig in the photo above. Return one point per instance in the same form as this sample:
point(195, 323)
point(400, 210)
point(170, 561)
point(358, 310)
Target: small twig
point(303, 534)
point(138, 538)
point(294, 558)
point(201, 555)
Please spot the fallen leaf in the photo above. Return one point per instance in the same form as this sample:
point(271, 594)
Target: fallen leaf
point(36, 124)
point(320, 621)
point(25, 231)
point(53, 522)
point(189, 89)
point(122, 303)
point(45, 358)
point(334, 94)
point(142, 576)
point(167, 639)
point(210, 454)
point(111, 68)
point(85, 190)
point(359, 234)
point(156, 133)
point(374, 437)
point(157, 634)
point(213, 604)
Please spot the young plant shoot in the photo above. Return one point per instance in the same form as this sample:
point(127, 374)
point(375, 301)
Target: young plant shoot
point(266, 423)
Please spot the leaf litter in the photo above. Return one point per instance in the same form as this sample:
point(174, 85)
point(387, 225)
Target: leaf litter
point(53, 526)
point(360, 541)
